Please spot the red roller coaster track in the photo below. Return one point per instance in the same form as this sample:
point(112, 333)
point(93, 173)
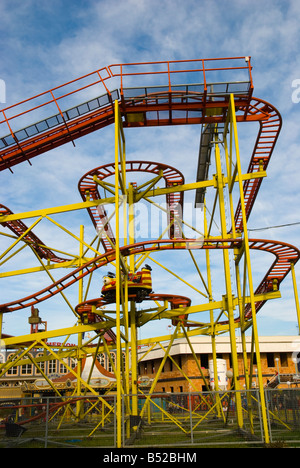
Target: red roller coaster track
point(283, 252)
point(20, 229)
point(162, 101)
point(89, 187)
point(167, 104)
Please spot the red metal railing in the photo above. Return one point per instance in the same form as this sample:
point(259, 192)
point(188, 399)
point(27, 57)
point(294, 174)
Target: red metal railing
point(172, 67)
point(101, 76)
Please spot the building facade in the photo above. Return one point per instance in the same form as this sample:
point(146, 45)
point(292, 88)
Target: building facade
point(27, 378)
point(181, 373)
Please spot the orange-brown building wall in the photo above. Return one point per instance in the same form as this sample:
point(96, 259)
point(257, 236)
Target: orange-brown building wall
point(172, 379)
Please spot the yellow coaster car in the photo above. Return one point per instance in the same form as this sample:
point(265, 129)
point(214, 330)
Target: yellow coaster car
point(139, 285)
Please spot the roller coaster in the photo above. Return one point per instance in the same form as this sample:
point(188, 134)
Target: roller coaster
point(218, 95)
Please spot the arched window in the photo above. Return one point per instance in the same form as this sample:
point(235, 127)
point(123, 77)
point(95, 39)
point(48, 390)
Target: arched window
point(62, 368)
point(101, 358)
point(113, 359)
point(13, 370)
point(73, 363)
point(27, 369)
point(52, 366)
point(41, 364)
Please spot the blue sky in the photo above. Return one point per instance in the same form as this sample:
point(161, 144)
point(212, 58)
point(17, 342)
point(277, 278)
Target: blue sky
point(44, 44)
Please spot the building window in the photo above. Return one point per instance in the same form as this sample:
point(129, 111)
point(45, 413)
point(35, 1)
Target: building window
point(179, 360)
point(62, 368)
point(204, 360)
point(270, 360)
point(52, 366)
point(101, 359)
point(283, 359)
point(73, 363)
point(41, 364)
point(26, 369)
point(113, 358)
point(12, 370)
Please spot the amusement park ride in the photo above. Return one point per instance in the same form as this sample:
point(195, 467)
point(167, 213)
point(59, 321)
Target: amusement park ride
point(214, 93)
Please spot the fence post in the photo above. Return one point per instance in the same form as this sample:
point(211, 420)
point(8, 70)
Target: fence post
point(46, 421)
point(267, 398)
point(115, 422)
point(191, 419)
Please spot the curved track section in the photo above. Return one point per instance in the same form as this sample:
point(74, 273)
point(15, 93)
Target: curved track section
point(158, 105)
point(284, 253)
point(173, 299)
point(88, 187)
point(21, 230)
point(167, 104)
point(256, 110)
point(269, 129)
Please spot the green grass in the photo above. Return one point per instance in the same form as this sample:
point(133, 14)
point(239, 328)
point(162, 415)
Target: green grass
point(211, 433)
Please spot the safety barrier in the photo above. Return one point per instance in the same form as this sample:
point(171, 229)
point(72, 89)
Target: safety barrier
point(167, 420)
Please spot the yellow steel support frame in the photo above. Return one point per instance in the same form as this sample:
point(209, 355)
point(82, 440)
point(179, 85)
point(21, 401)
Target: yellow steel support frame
point(126, 197)
point(125, 320)
point(229, 292)
point(295, 293)
point(80, 299)
point(119, 180)
point(234, 146)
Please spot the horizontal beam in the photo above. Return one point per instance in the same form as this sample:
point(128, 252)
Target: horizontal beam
point(89, 204)
point(54, 210)
point(27, 339)
point(204, 183)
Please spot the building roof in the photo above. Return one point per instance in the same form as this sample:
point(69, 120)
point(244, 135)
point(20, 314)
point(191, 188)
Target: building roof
point(202, 345)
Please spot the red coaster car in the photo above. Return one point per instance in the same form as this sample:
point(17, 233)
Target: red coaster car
point(139, 285)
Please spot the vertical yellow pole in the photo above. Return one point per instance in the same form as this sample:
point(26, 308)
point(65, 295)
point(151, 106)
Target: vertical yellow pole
point(80, 299)
point(296, 294)
point(244, 348)
point(211, 314)
point(231, 177)
point(118, 284)
point(126, 365)
point(1, 325)
point(133, 327)
point(229, 297)
point(248, 263)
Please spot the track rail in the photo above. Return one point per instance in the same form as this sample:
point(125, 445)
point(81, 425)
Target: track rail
point(164, 102)
point(89, 187)
point(20, 229)
point(269, 129)
point(257, 110)
point(284, 253)
point(174, 300)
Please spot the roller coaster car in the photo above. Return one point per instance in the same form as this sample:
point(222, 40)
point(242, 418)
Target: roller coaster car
point(139, 285)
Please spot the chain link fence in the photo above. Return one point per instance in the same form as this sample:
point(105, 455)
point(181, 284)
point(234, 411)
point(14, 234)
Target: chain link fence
point(163, 420)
